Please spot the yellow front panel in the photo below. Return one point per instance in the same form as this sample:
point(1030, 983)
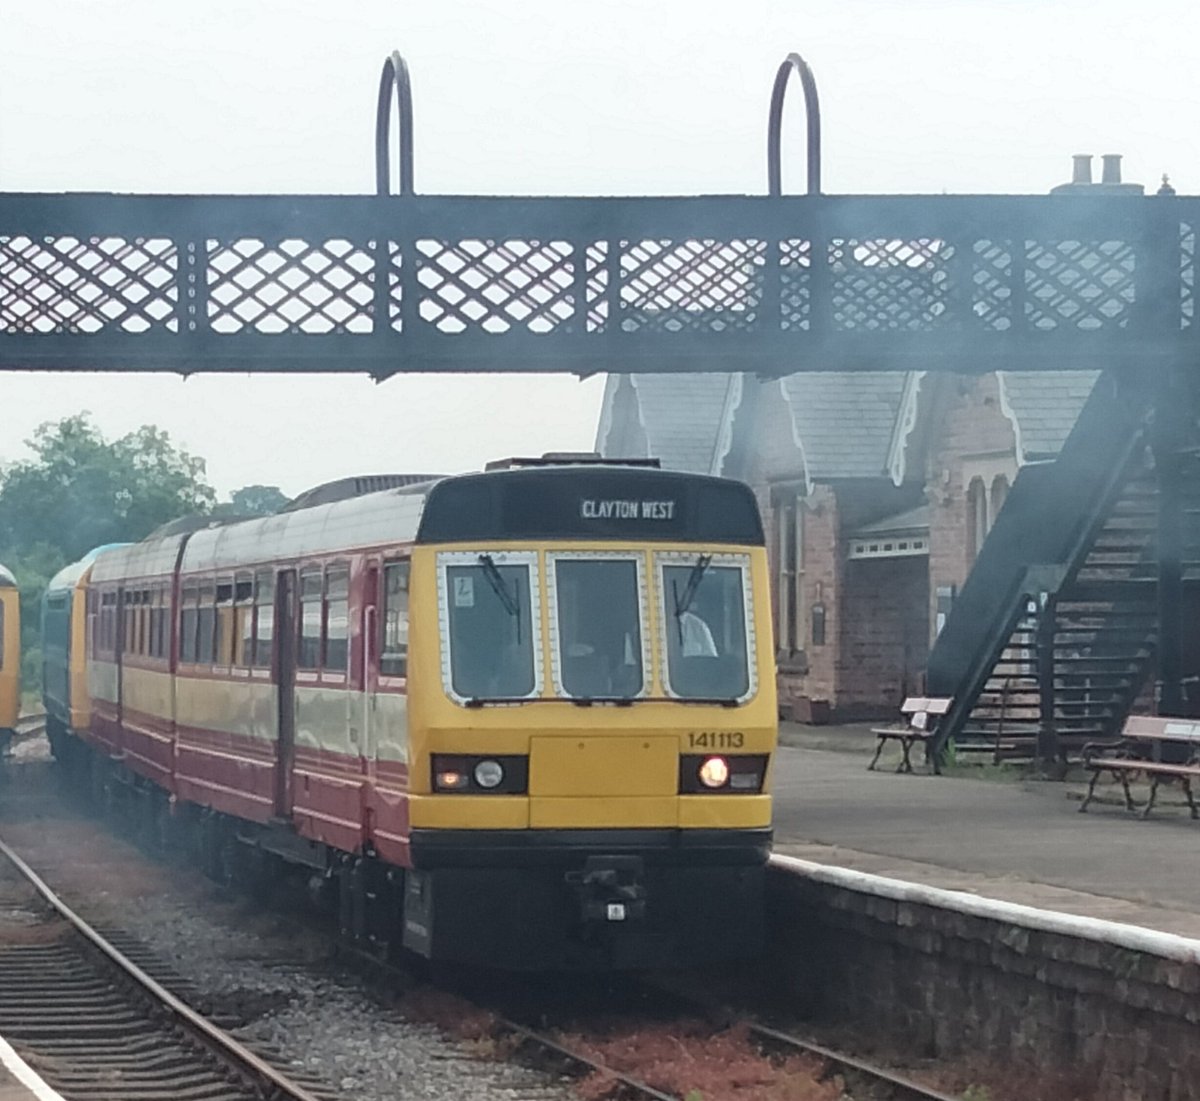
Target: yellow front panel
point(81, 708)
point(612, 813)
point(10, 680)
point(608, 765)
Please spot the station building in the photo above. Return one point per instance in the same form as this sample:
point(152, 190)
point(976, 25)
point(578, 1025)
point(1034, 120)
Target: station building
point(878, 490)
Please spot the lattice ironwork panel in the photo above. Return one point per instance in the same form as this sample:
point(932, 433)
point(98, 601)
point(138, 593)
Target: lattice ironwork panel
point(87, 285)
point(497, 286)
point(889, 284)
point(293, 286)
point(1187, 275)
point(691, 286)
point(1079, 284)
point(992, 285)
point(597, 286)
point(795, 290)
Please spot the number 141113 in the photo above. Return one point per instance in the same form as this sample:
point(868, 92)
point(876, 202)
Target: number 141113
point(716, 739)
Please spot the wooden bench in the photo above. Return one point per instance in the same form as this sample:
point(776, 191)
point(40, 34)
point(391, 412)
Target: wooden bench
point(923, 714)
point(1139, 750)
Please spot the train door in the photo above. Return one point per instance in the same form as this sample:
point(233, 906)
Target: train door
point(370, 663)
point(285, 679)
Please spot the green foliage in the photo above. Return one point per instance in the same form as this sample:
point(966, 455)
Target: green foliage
point(253, 500)
point(79, 491)
point(694, 1095)
point(977, 1093)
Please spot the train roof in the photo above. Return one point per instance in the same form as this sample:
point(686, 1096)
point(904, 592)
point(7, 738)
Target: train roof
point(68, 577)
point(584, 501)
point(6, 578)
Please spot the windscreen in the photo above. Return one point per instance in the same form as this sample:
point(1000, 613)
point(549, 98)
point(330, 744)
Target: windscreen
point(704, 606)
point(491, 636)
point(599, 628)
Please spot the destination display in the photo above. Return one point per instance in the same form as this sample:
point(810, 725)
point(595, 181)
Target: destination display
point(590, 502)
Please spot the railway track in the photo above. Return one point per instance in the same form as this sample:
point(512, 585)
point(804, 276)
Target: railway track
point(97, 1027)
point(862, 1078)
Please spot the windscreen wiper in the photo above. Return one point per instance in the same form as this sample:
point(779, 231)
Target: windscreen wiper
point(496, 580)
point(684, 602)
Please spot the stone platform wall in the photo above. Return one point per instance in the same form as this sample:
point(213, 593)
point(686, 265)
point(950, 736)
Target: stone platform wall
point(1111, 1009)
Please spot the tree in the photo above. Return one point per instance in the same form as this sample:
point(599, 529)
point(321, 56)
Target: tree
point(80, 491)
point(257, 500)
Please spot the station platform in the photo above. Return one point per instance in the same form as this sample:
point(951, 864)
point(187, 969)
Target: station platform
point(1021, 841)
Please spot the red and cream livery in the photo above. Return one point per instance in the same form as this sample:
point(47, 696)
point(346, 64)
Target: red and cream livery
point(523, 717)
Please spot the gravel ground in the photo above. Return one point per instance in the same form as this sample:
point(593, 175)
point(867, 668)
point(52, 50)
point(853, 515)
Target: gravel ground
point(250, 964)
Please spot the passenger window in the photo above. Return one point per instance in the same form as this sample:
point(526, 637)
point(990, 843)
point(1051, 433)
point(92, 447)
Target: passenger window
point(309, 656)
point(264, 618)
point(393, 653)
point(206, 623)
point(224, 640)
point(337, 619)
point(243, 621)
point(188, 618)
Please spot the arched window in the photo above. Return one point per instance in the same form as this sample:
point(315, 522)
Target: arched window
point(999, 494)
point(977, 517)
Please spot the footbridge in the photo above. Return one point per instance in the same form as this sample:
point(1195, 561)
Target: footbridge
point(393, 282)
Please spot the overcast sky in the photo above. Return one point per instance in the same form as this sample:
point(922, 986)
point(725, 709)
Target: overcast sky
point(554, 97)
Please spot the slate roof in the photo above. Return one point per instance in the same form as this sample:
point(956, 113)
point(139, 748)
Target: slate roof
point(1043, 406)
point(682, 415)
point(844, 420)
point(912, 519)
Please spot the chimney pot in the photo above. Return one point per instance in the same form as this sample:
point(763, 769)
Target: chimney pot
point(1112, 168)
point(1083, 168)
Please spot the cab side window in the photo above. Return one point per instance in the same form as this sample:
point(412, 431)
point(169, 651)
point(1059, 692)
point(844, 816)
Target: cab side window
point(393, 653)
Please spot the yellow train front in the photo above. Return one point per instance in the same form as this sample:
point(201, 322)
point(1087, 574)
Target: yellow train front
point(10, 656)
point(591, 716)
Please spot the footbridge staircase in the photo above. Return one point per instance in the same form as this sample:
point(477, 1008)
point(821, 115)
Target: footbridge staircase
point(1055, 635)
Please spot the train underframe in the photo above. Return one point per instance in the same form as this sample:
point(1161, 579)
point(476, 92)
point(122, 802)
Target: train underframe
point(507, 899)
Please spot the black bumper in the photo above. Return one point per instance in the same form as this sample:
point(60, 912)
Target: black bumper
point(568, 848)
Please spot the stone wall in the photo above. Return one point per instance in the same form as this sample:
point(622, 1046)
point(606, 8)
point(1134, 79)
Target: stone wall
point(1114, 1022)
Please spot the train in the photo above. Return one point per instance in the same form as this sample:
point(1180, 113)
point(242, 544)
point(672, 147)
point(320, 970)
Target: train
point(522, 718)
point(10, 657)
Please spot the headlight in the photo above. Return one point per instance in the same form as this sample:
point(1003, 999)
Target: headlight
point(450, 779)
point(714, 772)
point(489, 774)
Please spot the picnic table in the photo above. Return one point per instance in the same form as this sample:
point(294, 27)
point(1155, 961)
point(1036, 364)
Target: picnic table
point(1161, 748)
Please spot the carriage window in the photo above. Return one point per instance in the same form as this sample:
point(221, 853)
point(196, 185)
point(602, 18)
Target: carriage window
point(705, 616)
point(158, 618)
point(206, 623)
point(264, 618)
point(491, 629)
point(309, 656)
point(224, 642)
point(187, 624)
point(599, 627)
point(337, 619)
point(393, 654)
point(243, 621)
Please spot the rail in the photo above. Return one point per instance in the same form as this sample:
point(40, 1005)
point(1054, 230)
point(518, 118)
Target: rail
point(269, 1081)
